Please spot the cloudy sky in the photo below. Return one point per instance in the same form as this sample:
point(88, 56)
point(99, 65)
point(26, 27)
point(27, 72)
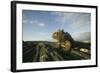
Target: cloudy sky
point(39, 25)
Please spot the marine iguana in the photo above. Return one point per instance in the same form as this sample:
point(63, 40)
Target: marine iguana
point(67, 43)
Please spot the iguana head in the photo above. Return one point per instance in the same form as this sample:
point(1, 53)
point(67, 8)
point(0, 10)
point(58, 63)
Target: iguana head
point(63, 42)
point(58, 35)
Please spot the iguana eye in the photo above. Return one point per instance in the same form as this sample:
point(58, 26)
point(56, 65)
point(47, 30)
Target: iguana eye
point(55, 35)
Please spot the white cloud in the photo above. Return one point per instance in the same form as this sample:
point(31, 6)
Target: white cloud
point(62, 16)
point(82, 36)
point(41, 24)
point(74, 20)
point(34, 22)
point(31, 22)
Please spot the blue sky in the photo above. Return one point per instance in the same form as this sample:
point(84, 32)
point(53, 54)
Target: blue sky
point(39, 25)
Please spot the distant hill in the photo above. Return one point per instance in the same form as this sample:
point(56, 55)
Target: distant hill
point(84, 37)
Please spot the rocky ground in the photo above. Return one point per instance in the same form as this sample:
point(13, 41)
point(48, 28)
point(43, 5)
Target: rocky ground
point(43, 51)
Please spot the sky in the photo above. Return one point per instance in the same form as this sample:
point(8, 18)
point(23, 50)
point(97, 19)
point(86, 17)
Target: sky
point(39, 25)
